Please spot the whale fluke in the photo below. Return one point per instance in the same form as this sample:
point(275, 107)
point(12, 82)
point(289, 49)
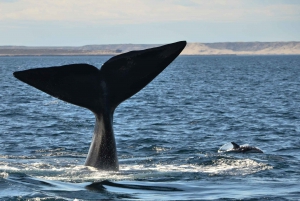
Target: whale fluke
point(101, 91)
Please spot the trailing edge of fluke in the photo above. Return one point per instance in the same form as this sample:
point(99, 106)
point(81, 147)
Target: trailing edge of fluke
point(102, 90)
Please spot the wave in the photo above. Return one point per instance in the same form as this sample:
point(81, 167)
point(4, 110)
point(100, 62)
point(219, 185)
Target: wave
point(80, 173)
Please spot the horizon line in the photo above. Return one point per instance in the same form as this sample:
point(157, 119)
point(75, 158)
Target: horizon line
point(145, 44)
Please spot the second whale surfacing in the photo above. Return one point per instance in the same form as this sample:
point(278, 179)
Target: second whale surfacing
point(102, 90)
point(234, 147)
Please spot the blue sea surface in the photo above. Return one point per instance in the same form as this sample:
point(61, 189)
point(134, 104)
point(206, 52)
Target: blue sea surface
point(167, 135)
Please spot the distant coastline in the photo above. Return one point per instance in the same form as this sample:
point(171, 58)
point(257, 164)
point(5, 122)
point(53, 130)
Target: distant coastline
point(204, 49)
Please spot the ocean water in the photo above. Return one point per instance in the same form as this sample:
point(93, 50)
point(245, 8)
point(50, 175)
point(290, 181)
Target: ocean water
point(167, 135)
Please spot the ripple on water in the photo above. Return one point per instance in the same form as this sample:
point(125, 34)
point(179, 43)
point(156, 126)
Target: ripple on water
point(168, 132)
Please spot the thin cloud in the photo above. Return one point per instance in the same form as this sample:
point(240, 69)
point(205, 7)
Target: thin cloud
point(145, 11)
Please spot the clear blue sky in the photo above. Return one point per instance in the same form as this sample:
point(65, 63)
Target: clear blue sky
point(82, 22)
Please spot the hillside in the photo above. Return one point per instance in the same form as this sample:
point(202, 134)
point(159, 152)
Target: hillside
point(235, 48)
point(243, 48)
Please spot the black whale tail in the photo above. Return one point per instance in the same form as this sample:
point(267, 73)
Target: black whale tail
point(118, 79)
point(101, 91)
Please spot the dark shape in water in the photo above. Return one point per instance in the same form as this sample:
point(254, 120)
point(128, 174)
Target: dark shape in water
point(234, 147)
point(245, 148)
point(100, 186)
point(101, 91)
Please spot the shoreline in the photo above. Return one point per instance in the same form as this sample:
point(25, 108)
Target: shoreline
point(196, 49)
point(189, 55)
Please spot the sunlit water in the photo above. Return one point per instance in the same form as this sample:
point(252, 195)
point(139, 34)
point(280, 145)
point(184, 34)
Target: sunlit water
point(168, 134)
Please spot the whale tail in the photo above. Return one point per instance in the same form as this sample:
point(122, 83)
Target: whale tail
point(101, 91)
point(118, 79)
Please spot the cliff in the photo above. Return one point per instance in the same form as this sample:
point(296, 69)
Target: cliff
point(243, 48)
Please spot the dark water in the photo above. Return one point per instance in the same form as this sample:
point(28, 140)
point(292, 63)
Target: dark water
point(168, 135)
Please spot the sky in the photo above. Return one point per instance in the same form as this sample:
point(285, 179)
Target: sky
point(86, 22)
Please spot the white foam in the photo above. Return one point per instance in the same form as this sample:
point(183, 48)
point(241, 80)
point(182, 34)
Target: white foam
point(54, 102)
point(4, 175)
point(219, 167)
point(74, 173)
point(50, 198)
point(235, 167)
point(159, 149)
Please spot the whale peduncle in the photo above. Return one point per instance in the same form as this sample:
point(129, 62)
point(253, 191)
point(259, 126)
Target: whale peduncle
point(103, 152)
